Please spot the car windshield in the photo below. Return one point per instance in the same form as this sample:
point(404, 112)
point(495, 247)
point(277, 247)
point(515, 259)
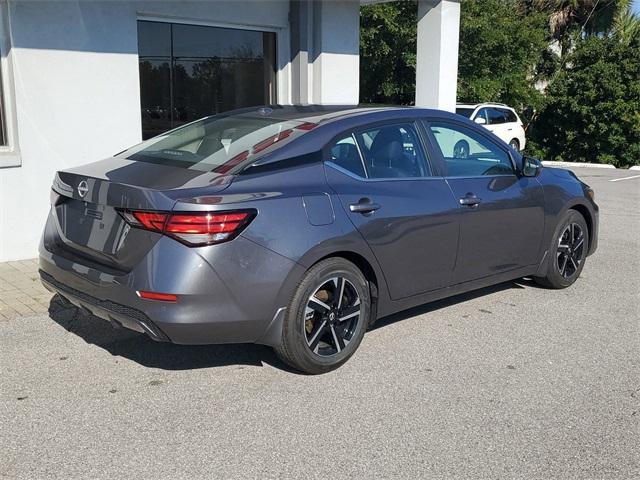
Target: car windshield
point(218, 143)
point(465, 112)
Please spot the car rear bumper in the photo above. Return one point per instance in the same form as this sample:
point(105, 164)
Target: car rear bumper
point(118, 315)
point(227, 293)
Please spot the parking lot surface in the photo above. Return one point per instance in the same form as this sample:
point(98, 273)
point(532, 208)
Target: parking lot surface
point(513, 381)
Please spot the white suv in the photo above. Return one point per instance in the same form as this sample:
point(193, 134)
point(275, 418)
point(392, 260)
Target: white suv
point(499, 119)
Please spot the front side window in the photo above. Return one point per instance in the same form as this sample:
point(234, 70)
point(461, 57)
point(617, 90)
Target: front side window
point(482, 113)
point(191, 71)
point(467, 153)
point(392, 151)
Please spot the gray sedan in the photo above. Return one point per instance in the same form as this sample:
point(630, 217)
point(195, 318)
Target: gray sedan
point(298, 227)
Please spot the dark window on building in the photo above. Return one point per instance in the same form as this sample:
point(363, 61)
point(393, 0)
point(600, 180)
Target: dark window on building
point(189, 71)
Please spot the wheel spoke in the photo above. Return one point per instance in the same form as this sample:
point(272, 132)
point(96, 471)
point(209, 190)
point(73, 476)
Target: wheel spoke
point(575, 265)
point(579, 243)
point(318, 305)
point(337, 339)
point(563, 248)
point(564, 265)
point(315, 338)
point(350, 313)
point(340, 289)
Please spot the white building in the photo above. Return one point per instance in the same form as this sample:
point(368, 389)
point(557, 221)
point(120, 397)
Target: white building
point(82, 80)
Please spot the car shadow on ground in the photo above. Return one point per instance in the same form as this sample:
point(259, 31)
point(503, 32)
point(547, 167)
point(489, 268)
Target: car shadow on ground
point(144, 351)
point(450, 301)
point(167, 356)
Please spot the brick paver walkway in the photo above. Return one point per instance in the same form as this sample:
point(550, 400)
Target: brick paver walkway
point(21, 293)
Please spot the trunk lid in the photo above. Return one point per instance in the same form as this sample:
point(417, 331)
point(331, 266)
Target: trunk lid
point(86, 213)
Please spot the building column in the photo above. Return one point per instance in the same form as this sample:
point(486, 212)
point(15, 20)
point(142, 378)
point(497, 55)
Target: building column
point(325, 47)
point(437, 54)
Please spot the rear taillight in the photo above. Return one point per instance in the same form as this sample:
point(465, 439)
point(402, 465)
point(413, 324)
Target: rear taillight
point(194, 229)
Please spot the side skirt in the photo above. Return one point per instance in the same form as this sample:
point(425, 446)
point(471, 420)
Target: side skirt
point(420, 299)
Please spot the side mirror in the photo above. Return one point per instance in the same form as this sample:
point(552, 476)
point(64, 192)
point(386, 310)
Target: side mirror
point(480, 120)
point(531, 167)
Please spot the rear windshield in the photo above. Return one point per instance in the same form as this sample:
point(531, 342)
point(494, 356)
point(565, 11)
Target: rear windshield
point(465, 112)
point(218, 143)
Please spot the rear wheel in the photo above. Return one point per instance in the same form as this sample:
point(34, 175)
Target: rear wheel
point(568, 252)
point(326, 318)
point(515, 144)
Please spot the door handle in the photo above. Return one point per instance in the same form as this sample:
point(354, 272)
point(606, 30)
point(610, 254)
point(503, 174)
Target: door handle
point(469, 200)
point(364, 206)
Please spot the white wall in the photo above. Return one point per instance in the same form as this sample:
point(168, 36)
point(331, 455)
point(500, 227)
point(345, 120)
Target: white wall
point(77, 97)
point(336, 68)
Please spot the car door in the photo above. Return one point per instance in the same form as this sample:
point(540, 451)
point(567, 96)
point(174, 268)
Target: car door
point(406, 213)
point(502, 213)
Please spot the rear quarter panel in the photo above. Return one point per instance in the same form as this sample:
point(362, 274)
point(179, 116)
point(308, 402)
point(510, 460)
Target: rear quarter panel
point(298, 217)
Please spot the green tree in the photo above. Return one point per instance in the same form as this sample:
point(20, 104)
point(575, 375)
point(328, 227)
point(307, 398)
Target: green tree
point(388, 52)
point(502, 48)
point(593, 108)
point(568, 20)
point(626, 24)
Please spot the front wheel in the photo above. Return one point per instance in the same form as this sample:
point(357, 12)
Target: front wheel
point(326, 318)
point(568, 252)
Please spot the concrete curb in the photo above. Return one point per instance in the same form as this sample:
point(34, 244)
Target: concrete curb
point(635, 167)
point(577, 164)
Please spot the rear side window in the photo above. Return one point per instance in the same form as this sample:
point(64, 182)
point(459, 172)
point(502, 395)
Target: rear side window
point(509, 115)
point(496, 116)
point(344, 153)
point(392, 151)
point(387, 151)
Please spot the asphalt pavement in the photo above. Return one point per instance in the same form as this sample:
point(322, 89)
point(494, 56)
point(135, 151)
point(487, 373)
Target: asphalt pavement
point(513, 381)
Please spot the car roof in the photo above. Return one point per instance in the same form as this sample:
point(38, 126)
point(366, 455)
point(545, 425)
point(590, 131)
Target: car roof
point(483, 104)
point(332, 121)
point(322, 114)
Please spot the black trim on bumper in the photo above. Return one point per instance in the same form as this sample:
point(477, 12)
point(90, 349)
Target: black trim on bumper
point(114, 312)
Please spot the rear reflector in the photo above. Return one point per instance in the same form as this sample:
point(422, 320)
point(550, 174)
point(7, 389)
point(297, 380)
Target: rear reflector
point(193, 229)
point(161, 297)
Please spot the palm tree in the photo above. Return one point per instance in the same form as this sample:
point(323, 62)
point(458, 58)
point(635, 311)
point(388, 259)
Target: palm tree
point(626, 24)
point(570, 18)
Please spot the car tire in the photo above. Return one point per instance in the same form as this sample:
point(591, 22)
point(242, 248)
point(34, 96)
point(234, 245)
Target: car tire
point(567, 252)
point(313, 340)
point(515, 144)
